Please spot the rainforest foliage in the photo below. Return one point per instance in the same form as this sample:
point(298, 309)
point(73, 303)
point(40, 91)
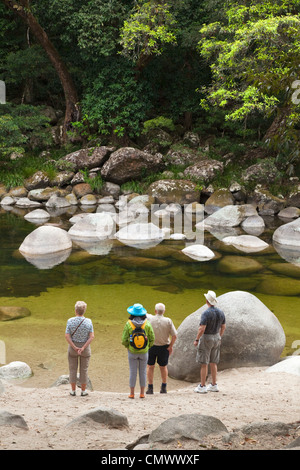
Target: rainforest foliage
point(223, 68)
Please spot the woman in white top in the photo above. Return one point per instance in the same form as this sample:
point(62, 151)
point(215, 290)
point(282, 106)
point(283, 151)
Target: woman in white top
point(79, 334)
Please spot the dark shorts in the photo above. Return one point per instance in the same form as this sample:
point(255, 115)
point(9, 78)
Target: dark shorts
point(159, 353)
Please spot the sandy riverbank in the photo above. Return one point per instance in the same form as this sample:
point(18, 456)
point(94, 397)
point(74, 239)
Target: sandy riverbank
point(246, 395)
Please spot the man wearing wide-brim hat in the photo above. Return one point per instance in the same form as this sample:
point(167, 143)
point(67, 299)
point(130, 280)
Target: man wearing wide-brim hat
point(208, 340)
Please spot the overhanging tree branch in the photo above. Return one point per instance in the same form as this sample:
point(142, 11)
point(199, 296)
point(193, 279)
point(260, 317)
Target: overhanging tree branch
point(22, 9)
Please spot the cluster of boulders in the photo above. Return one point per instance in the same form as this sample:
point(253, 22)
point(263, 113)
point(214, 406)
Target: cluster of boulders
point(224, 208)
point(139, 222)
point(125, 216)
point(210, 433)
point(118, 166)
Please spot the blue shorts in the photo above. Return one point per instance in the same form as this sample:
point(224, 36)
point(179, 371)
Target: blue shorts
point(159, 354)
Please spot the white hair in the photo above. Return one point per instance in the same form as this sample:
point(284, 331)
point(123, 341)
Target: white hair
point(80, 307)
point(160, 308)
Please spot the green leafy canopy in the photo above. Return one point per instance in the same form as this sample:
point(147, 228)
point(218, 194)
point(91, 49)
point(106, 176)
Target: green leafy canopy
point(254, 58)
point(148, 30)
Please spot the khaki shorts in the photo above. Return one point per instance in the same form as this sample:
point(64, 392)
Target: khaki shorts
point(209, 349)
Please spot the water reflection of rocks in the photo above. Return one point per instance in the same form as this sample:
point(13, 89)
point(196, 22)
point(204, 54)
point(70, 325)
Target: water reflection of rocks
point(178, 243)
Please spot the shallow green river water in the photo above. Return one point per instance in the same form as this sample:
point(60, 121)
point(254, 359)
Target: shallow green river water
point(112, 282)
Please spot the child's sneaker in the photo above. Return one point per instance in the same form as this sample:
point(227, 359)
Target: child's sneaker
point(200, 389)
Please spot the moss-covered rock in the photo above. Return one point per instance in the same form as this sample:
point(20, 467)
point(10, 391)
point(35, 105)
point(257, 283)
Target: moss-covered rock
point(276, 285)
point(286, 269)
point(174, 191)
point(239, 265)
point(13, 313)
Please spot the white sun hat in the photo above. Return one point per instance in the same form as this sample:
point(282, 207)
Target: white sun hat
point(211, 297)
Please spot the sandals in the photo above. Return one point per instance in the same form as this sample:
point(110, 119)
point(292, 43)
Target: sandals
point(132, 396)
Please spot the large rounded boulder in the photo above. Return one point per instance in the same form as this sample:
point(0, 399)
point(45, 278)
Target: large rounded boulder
point(140, 235)
point(174, 192)
point(88, 157)
point(288, 234)
point(128, 163)
point(98, 226)
point(253, 337)
point(46, 240)
point(286, 241)
point(15, 370)
point(46, 246)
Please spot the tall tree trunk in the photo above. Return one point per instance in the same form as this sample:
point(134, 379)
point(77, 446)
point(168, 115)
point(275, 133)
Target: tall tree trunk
point(278, 125)
point(22, 9)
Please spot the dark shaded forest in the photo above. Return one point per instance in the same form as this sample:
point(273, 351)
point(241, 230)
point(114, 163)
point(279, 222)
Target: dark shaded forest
point(110, 71)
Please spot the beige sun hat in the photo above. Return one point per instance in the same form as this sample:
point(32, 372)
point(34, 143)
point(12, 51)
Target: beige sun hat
point(211, 297)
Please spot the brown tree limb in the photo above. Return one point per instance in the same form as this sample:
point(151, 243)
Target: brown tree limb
point(22, 9)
